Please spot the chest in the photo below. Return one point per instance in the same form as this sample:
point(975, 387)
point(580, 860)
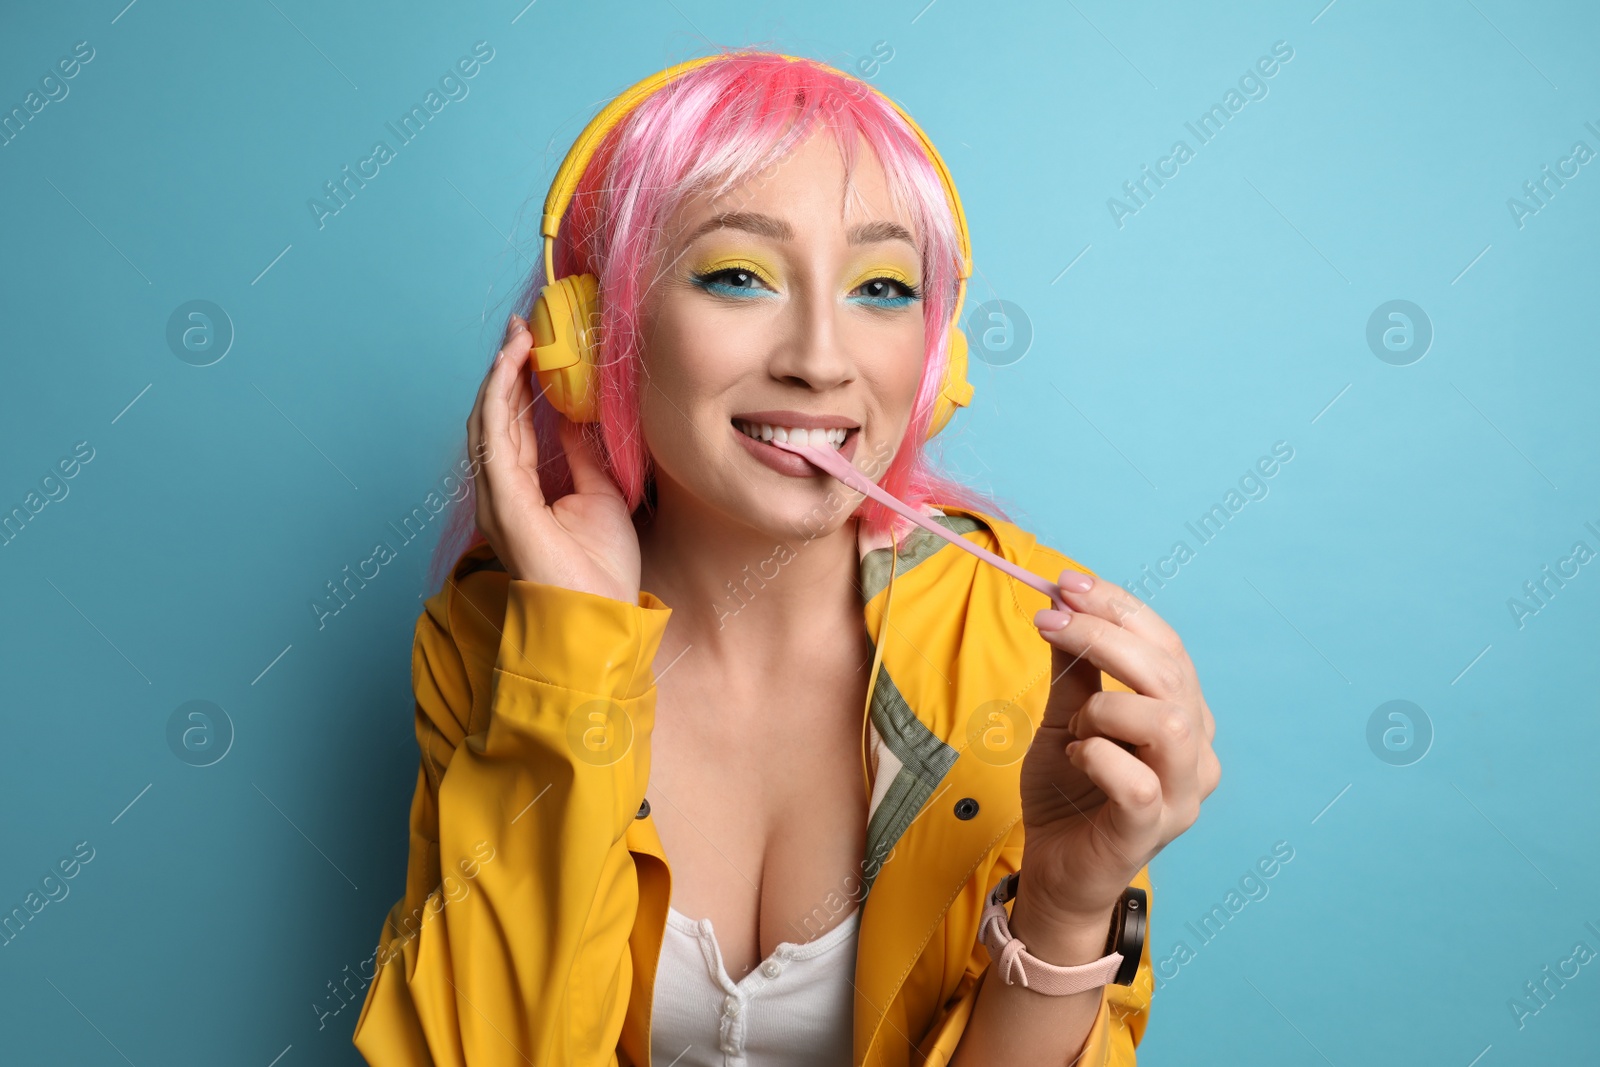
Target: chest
point(761, 809)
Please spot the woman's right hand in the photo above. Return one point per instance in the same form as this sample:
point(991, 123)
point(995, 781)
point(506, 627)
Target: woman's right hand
point(585, 540)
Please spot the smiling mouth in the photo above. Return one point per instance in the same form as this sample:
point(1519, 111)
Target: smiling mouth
point(820, 438)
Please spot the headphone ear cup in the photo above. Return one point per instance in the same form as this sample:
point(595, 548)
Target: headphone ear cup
point(563, 322)
point(955, 390)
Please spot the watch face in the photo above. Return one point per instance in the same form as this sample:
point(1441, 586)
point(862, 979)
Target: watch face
point(1135, 915)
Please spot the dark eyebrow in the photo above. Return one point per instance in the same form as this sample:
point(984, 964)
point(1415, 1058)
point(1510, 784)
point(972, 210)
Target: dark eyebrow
point(778, 230)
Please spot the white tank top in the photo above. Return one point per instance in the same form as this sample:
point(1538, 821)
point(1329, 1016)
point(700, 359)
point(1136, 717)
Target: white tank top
point(794, 1009)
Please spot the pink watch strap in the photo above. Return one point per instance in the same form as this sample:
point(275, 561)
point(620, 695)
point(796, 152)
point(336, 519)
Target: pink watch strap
point(1018, 967)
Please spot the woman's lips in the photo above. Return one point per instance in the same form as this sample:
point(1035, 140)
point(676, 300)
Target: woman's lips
point(787, 463)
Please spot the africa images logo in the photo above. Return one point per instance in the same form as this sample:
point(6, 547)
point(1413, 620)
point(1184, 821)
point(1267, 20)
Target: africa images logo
point(1210, 123)
point(452, 84)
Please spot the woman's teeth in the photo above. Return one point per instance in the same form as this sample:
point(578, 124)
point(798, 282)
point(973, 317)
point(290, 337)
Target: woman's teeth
point(792, 435)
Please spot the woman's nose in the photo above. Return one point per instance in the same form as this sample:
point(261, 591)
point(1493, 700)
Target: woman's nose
point(814, 351)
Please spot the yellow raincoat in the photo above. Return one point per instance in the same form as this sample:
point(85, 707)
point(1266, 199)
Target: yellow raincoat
point(537, 890)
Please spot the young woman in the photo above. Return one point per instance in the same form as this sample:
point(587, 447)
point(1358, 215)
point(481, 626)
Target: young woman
point(647, 828)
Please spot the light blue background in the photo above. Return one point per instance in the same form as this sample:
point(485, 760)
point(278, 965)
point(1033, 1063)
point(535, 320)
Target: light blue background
point(1228, 314)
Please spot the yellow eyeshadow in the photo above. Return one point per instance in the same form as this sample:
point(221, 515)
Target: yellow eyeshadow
point(716, 263)
point(769, 273)
point(884, 272)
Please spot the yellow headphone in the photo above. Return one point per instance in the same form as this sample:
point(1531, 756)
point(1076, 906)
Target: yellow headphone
point(563, 340)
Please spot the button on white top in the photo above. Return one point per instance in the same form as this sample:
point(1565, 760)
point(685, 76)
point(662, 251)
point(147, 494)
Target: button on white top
point(772, 968)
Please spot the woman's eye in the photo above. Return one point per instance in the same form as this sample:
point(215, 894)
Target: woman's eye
point(730, 280)
point(888, 292)
point(741, 282)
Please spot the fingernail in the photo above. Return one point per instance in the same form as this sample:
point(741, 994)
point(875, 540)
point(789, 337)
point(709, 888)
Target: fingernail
point(1072, 723)
point(1076, 582)
point(1050, 619)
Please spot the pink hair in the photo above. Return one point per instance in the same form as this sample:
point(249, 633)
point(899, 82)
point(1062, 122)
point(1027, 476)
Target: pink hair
point(711, 129)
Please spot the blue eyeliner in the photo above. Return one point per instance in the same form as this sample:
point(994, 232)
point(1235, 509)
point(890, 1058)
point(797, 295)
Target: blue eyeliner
point(710, 285)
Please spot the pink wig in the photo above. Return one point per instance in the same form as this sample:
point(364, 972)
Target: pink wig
point(713, 128)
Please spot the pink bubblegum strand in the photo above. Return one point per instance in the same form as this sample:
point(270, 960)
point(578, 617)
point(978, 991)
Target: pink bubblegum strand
point(831, 462)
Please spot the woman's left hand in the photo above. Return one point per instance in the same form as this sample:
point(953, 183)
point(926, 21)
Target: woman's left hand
point(1097, 813)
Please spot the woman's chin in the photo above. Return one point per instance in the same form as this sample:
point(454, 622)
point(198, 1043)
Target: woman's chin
point(797, 510)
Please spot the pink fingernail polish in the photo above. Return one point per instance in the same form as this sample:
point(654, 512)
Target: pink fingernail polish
point(1050, 619)
point(1076, 582)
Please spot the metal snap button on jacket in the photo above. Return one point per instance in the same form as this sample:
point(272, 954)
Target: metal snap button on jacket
point(644, 808)
point(966, 808)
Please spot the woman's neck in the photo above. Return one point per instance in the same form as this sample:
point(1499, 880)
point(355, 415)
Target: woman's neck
point(738, 592)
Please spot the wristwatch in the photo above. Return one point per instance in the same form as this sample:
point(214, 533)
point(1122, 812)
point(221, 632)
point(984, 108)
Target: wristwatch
point(1124, 944)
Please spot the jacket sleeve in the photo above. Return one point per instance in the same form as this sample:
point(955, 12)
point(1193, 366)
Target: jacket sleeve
point(1124, 1010)
point(511, 943)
